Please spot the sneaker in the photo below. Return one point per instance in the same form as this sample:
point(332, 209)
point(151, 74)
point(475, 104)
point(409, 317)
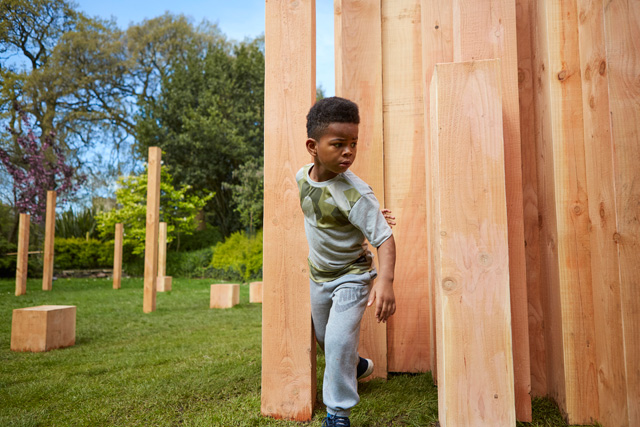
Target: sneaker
point(336, 421)
point(364, 369)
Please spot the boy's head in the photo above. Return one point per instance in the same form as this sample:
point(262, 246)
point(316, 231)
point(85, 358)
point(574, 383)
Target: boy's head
point(330, 110)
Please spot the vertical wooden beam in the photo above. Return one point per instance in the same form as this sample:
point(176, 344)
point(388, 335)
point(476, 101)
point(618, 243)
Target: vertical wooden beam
point(605, 268)
point(564, 208)
point(117, 256)
point(22, 264)
point(476, 384)
point(437, 47)
point(162, 249)
point(49, 239)
point(485, 30)
point(405, 181)
point(358, 42)
point(288, 348)
point(622, 35)
point(151, 239)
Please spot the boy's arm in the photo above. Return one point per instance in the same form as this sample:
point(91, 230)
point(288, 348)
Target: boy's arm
point(382, 291)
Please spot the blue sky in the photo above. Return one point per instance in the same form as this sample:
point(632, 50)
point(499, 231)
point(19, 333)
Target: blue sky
point(236, 18)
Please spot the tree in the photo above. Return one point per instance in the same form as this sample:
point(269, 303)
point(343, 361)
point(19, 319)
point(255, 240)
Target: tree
point(248, 194)
point(177, 209)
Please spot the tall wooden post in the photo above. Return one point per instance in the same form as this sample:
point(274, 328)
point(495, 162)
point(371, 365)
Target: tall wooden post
point(288, 348)
point(475, 365)
point(117, 257)
point(151, 241)
point(49, 238)
point(22, 264)
point(162, 250)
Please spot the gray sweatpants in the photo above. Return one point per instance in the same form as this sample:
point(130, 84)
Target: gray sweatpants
point(337, 308)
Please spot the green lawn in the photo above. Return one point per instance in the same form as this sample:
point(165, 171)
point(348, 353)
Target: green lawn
point(182, 365)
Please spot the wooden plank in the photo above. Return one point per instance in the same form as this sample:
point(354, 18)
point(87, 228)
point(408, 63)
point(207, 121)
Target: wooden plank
point(49, 240)
point(566, 256)
point(605, 268)
point(437, 46)
point(405, 182)
point(288, 348)
point(162, 249)
point(622, 32)
point(475, 372)
point(525, 22)
point(151, 239)
point(485, 30)
point(358, 42)
point(117, 256)
point(22, 263)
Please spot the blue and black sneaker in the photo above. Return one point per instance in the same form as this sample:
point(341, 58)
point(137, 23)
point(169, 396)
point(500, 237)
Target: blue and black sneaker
point(336, 421)
point(365, 368)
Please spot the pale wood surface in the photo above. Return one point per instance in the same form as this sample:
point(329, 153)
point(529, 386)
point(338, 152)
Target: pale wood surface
point(566, 257)
point(49, 240)
point(288, 348)
point(605, 268)
point(255, 292)
point(486, 30)
point(43, 328)
point(163, 283)
point(151, 239)
point(117, 256)
point(437, 46)
point(224, 295)
point(622, 35)
point(405, 183)
point(525, 21)
point(475, 365)
point(22, 263)
point(358, 59)
point(162, 249)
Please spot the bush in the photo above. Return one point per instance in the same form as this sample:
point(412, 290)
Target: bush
point(239, 256)
point(76, 253)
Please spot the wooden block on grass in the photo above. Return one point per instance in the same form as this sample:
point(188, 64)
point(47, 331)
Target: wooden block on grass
point(255, 292)
point(163, 283)
point(43, 328)
point(224, 295)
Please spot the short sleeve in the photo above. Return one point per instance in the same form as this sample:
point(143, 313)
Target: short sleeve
point(366, 216)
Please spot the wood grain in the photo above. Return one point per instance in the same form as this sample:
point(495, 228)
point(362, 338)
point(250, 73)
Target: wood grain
point(358, 42)
point(152, 224)
point(475, 364)
point(117, 256)
point(49, 240)
point(162, 249)
point(22, 263)
point(288, 348)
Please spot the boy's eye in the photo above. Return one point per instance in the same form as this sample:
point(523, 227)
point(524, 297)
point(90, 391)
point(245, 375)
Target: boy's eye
point(353, 145)
point(337, 145)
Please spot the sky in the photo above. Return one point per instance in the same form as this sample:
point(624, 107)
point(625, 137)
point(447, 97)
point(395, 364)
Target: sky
point(238, 19)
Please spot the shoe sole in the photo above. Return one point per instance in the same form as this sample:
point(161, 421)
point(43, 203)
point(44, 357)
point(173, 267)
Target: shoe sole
point(368, 372)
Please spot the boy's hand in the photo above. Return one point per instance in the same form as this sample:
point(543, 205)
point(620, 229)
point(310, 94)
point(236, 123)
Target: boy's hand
point(382, 294)
point(389, 217)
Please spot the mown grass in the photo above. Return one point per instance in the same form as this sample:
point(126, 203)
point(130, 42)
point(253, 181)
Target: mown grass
point(182, 365)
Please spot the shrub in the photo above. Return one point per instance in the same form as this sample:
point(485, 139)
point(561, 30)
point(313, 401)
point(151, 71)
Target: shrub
point(76, 253)
point(240, 256)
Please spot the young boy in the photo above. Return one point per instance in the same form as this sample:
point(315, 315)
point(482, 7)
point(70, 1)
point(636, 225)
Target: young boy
point(340, 211)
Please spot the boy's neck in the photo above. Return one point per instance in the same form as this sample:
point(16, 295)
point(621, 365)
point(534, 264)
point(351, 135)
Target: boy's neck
point(319, 174)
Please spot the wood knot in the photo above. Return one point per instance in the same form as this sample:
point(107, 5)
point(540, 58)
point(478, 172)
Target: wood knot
point(602, 212)
point(520, 76)
point(592, 102)
point(587, 73)
point(577, 209)
point(562, 75)
point(485, 259)
point(448, 284)
point(495, 396)
point(437, 26)
point(617, 237)
point(603, 67)
point(443, 233)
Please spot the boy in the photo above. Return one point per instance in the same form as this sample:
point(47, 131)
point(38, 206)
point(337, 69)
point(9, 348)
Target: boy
point(340, 212)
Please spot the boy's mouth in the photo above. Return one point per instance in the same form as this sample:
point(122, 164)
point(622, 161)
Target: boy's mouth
point(345, 164)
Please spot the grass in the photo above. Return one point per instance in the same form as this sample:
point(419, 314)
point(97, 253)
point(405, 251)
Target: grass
point(182, 365)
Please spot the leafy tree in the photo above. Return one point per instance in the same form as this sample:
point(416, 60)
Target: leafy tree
point(177, 209)
point(240, 255)
point(248, 194)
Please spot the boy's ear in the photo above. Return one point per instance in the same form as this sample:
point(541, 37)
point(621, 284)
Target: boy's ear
point(312, 147)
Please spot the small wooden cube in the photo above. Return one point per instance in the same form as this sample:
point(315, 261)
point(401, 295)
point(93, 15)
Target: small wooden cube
point(43, 328)
point(255, 292)
point(224, 295)
point(163, 284)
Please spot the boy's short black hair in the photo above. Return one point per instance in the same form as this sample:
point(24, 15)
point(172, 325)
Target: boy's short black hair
point(330, 110)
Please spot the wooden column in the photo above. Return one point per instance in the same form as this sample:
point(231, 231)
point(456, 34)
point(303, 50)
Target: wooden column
point(151, 240)
point(405, 181)
point(117, 256)
point(437, 47)
point(358, 42)
point(49, 238)
point(162, 250)
point(475, 366)
point(22, 264)
point(288, 347)
point(622, 30)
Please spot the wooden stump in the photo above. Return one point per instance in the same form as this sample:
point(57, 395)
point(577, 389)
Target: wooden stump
point(255, 292)
point(43, 328)
point(224, 295)
point(163, 283)
point(49, 237)
point(22, 265)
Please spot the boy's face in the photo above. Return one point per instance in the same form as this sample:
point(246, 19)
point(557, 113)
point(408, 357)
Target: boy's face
point(335, 151)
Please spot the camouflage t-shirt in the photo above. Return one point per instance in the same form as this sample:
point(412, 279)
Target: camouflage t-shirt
point(338, 215)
